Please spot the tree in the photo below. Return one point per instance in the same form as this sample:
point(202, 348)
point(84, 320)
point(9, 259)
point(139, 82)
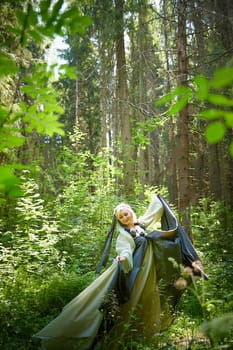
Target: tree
point(123, 112)
point(182, 149)
point(33, 106)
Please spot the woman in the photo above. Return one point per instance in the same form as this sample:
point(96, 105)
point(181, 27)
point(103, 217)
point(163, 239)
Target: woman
point(139, 289)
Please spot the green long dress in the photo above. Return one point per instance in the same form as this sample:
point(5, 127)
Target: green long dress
point(152, 297)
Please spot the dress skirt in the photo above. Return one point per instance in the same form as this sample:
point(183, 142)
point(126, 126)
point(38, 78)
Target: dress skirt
point(147, 310)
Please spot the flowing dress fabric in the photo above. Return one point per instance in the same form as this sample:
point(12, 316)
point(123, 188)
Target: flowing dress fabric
point(143, 282)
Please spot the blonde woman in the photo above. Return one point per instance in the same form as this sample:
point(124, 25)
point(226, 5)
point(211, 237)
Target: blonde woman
point(140, 288)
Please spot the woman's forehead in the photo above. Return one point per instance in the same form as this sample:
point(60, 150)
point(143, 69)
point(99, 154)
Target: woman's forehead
point(124, 210)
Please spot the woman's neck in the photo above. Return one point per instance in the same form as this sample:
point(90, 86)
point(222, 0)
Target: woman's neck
point(131, 226)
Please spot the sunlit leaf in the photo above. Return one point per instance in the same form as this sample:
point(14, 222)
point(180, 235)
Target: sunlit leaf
point(203, 87)
point(20, 166)
point(9, 182)
point(54, 109)
point(23, 106)
point(55, 12)
point(7, 65)
point(229, 119)
point(44, 9)
point(20, 16)
point(3, 114)
point(220, 100)
point(178, 106)
point(14, 30)
point(182, 93)
point(29, 90)
point(222, 78)
point(44, 123)
point(80, 24)
point(211, 114)
point(231, 149)
point(36, 35)
point(215, 132)
point(166, 98)
point(9, 141)
point(68, 71)
point(32, 17)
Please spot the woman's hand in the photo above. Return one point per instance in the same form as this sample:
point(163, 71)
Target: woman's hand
point(197, 266)
point(119, 258)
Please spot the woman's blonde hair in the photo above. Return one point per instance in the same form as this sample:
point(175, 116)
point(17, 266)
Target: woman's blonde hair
point(123, 206)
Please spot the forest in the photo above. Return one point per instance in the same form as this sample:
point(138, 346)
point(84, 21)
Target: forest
point(135, 100)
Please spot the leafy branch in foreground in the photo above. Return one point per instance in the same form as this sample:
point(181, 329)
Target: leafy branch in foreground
point(211, 93)
point(34, 103)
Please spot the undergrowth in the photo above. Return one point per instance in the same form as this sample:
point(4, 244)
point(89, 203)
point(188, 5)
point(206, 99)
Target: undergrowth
point(39, 276)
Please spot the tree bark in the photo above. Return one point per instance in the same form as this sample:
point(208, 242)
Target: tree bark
point(183, 166)
point(122, 106)
point(171, 171)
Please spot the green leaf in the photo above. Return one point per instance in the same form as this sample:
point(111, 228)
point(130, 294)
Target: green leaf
point(228, 119)
point(20, 16)
point(222, 77)
point(32, 17)
point(44, 123)
point(20, 166)
point(211, 114)
point(68, 71)
point(14, 30)
point(23, 106)
point(8, 140)
point(54, 108)
point(9, 183)
point(44, 9)
point(36, 35)
point(215, 132)
point(55, 13)
point(4, 112)
point(80, 24)
point(29, 90)
point(231, 149)
point(220, 100)
point(166, 98)
point(182, 93)
point(7, 65)
point(203, 87)
point(178, 106)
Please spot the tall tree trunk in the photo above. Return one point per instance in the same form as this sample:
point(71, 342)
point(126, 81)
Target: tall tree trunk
point(103, 96)
point(122, 106)
point(76, 103)
point(142, 48)
point(224, 23)
point(171, 171)
point(183, 166)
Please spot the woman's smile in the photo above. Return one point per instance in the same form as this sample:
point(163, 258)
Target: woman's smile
point(126, 218)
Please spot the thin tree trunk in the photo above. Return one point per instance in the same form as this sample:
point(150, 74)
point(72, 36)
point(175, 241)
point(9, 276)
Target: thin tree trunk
point(103, 97)
point(122, 106)
point(76, 102)
point(142, 46)
point(183, 166)
point(171, 174)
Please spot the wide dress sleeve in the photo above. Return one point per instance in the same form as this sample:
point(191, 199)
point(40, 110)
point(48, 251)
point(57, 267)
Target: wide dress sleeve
point(125, 246)
point(153, 213)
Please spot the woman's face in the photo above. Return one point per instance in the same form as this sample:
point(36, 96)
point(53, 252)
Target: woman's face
point(125, 217)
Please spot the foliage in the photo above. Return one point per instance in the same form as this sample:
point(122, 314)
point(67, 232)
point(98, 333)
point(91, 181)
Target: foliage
point(48, 253)
point(214, 100)
point(55, 216)
point(38, 107)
